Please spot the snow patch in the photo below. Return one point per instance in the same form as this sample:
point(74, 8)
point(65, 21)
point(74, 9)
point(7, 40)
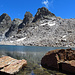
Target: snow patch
point(64, 36)
point(11, 41)
point(48, 23)
point(21, 39)
point(51, 24)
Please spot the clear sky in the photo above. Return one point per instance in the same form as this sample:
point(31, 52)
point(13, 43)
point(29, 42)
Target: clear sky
point(17, 8)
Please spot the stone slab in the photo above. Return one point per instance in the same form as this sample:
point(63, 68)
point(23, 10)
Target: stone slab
point(10, 65)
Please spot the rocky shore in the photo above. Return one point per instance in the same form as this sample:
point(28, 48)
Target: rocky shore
point(44, 29)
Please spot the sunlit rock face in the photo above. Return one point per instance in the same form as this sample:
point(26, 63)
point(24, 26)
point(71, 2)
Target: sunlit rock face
point(61, 59)
point(10, 66)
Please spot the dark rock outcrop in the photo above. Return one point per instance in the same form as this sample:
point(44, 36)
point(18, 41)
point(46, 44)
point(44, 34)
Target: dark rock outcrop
point(5, 19)
point(42, 13)
point(61, 59)
point(27, 20)
point(14, 27)
point(5, 23)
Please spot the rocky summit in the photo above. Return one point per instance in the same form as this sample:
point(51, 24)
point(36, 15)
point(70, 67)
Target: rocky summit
point(42, 13)
point(44, 29)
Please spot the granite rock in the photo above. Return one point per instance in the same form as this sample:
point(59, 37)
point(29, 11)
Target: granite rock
point(10, 65)
point(61, 59)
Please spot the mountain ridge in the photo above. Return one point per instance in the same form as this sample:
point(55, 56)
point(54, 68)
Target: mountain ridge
point(44, 29)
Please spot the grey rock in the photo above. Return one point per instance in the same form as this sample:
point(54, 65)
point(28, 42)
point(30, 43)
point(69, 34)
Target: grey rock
point(14, 27)
point(43, 13)
point(27, 18)
point(5, 23)
point(5, 19)
point(45, 29)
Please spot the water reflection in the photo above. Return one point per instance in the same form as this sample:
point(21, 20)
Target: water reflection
point(32, 54)
point(32, 73)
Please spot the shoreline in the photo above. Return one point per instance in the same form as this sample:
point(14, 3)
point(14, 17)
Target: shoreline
point(20, 43)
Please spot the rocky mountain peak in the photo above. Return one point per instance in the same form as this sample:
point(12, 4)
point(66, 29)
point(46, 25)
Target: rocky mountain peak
point(5, 18)
point(42, 13)
point(27, 18)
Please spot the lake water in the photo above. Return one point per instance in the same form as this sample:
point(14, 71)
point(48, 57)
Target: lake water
point(33, 55)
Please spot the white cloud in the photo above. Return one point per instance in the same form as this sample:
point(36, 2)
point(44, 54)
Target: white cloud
point(46, 3)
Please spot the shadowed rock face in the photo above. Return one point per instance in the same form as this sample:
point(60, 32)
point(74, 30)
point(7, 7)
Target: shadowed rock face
point(5, 19)
point(27, 18)
point(42, 13)
point(5, 23)
point(14, 27)
point(61, 59)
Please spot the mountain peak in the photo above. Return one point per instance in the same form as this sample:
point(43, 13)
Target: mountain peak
point(5, 18)
point(41, 13)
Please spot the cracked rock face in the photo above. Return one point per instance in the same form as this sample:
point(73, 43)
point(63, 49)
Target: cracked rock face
point(61, 59)
point(9, 65)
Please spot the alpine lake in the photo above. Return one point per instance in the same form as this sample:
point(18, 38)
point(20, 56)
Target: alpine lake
point(33, 55)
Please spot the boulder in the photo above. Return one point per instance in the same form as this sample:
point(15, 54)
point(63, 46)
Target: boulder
point(42, 13)
point(9, 65)
point(60, 59)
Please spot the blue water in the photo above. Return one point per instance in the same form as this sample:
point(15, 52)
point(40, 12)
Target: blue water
point(33, 54)
point(29, 48)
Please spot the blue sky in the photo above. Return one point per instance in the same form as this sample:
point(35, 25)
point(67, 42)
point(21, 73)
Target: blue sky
point(17, 8)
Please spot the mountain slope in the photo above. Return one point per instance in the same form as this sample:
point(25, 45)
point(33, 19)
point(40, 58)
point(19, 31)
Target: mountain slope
point(44, 29)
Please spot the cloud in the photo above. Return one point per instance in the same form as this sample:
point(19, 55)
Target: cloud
point(46, 3)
